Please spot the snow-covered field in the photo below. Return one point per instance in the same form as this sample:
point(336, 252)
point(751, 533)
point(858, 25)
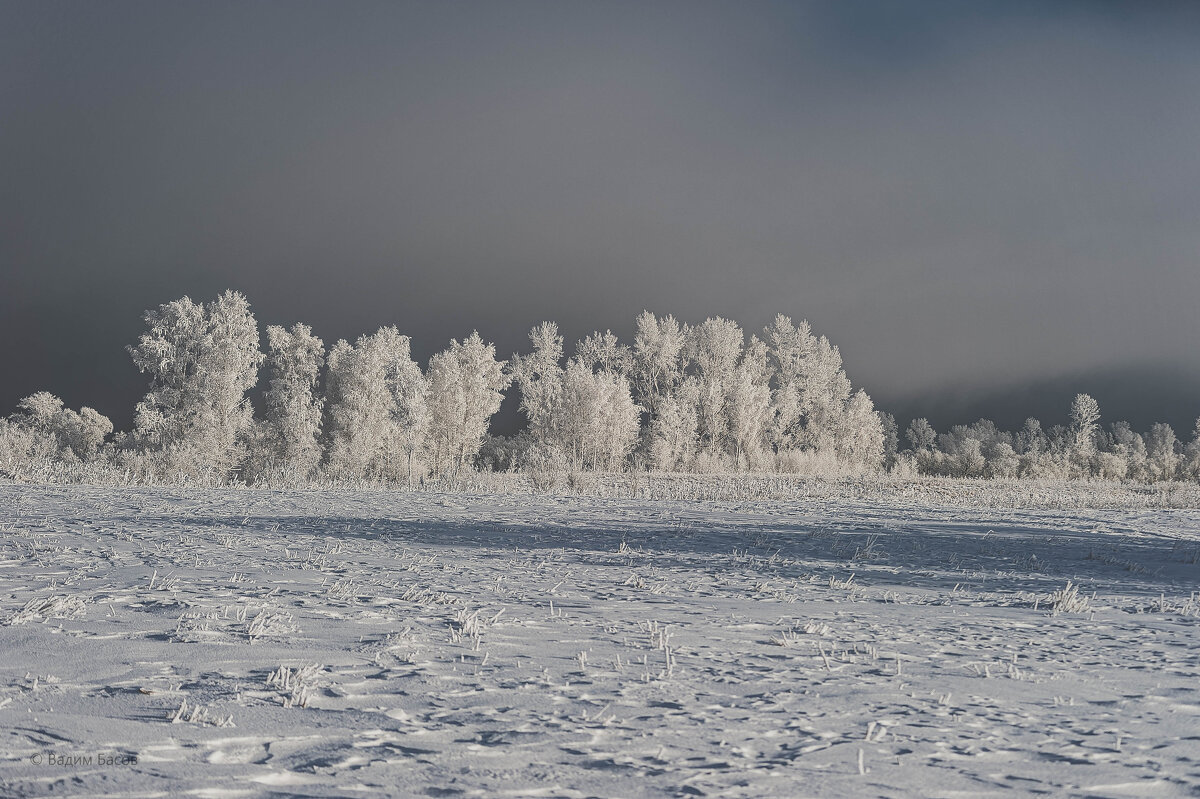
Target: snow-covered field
point(159, 642)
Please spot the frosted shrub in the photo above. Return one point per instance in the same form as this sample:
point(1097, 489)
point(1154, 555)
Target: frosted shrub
point(25, 452)
point(1110, 466)
point(547, 467)
point(1068, 600)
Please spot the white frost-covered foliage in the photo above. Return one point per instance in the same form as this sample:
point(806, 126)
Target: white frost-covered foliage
point(712, 399)
point(1085, 417)
point(376, 399)
point(1083, 450)
point(43, 436)
point(664, 392)
point(599, 420)
point(539, 377)
point(703, 398)
point(1190, 466)
point(713, 350)
point(582, 415)
point(811, 389)
point(466, 385)
point(202, 359)
point(78, 434)
point(289, 436)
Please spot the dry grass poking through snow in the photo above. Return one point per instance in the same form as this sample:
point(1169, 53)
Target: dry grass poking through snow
point(380, 643)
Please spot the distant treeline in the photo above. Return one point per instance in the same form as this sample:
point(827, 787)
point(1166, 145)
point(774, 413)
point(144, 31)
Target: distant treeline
point(679, 398)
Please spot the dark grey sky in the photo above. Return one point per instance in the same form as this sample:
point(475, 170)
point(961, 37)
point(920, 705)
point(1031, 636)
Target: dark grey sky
point(987, 205)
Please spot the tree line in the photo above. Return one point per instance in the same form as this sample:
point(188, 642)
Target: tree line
point(679, 397)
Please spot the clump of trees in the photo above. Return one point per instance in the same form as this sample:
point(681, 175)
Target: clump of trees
point(701, 398)
point(42, 430)
point(1083, 449)
point(679, 397)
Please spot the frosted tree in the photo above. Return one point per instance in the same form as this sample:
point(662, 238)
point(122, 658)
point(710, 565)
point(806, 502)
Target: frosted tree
point(1031, 439)
point(539, 378)
point(663, 390)
point(1130, 447)
point(40, 410)
point(1030, 443)
point(959, 453)
point(826, 396)
point(202, 359)
point(891, 439)
point(790, 348)
point(920, 435)
point(812, 392)
point(410, 413)
point(597, 403)
point(619, 420)
point(1085, 415)
point(714, 348)
point(377, 407)
point(603, 352)
point(356, 403)
point(465, 390)
point(672, 432)
point(860, 441)
point(748, 404)
point(1190, 466)
point(291, 428)
point(1160, 452)
point(656, 360)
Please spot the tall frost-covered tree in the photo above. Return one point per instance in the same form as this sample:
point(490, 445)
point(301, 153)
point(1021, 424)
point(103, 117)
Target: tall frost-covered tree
point(202, 359)
point(1190, 466)
point(410, 413)
point(1130, 448)
point(1079, 457)
point(1160, 452)
point(891, 439)
point(619, 420)
point(600, 399)
point(376, 399)
point(656, 360)
point(465, 390)
point(713, 348)
point(671, 435)
point(812, 391)
point(663, 390)
point(1031, 440)
point(860, 442)
point(539, 378)
point(290, 433)
point(920, 435)
point(790, 348)
point(748, 404)
point(1085, 416)
point(812, 406)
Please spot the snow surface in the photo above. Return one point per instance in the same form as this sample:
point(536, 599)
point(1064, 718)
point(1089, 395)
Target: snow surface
point(241, 643)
